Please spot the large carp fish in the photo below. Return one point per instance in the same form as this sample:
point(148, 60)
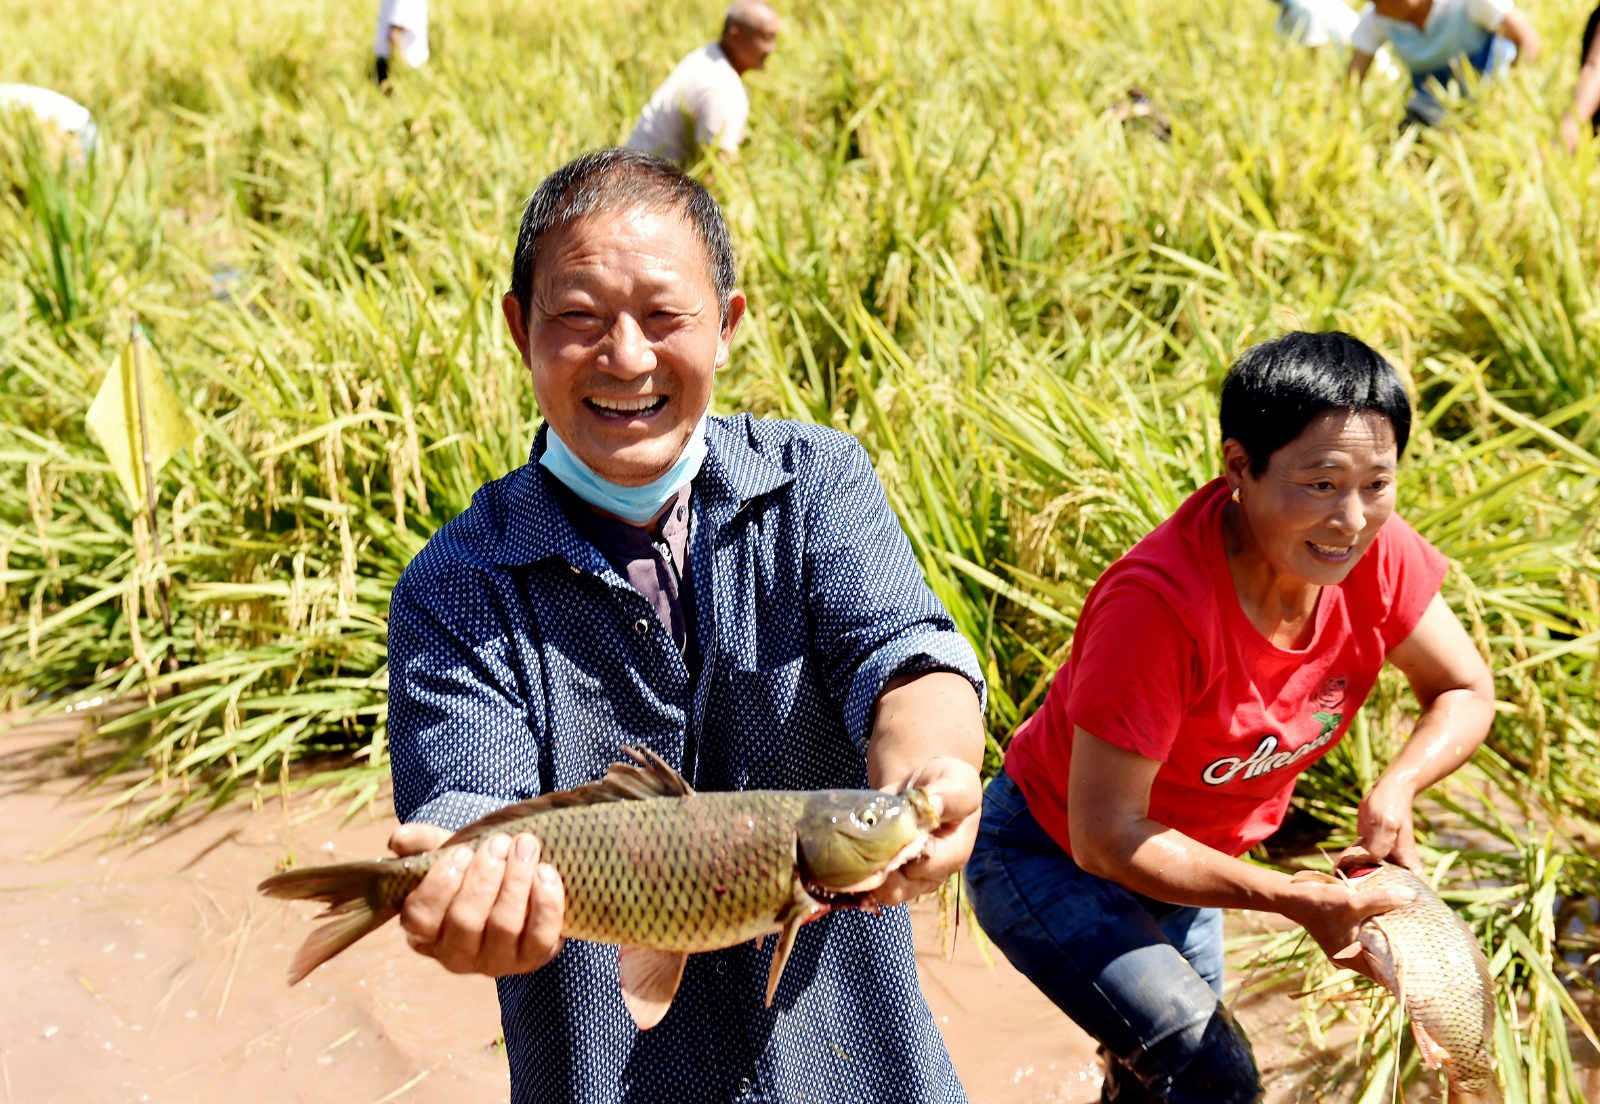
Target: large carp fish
point(661, 870)
point(1425, 955)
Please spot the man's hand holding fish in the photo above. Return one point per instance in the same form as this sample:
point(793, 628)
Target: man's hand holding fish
point(914, 717)
point(496, 910)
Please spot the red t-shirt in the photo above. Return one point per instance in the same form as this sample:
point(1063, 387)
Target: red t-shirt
point(1165, 663)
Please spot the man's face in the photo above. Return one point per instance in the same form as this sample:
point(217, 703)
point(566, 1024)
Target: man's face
point(749, 45)
point(623, 338)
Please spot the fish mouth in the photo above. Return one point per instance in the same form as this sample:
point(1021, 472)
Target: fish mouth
point(855, 895)
point(849, 842)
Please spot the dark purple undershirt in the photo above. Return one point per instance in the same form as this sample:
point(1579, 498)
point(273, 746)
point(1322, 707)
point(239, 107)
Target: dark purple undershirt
point(651, 557)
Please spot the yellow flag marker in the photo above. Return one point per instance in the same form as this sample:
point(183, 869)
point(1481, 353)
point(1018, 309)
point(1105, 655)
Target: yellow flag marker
point(121, 422)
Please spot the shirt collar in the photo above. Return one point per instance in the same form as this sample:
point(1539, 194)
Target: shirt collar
point(533, 526)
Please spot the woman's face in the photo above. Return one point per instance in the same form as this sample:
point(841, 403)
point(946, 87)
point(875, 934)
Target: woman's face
point(1322, 498)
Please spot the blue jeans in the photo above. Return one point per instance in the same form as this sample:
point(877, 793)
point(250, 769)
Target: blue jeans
point(1424, 107)
point(1141, 976)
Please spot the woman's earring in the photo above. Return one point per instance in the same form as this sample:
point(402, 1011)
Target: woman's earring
point(1236, 497)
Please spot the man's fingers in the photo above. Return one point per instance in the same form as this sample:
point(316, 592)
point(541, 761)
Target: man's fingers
point(425, 906)
point(954, 787)
point(503, 929)
point(927, 872)
point(413, 839)
point(1376, 902)
point(461, 934)
point(547, 910)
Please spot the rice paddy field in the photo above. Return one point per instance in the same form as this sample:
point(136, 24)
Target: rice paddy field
point(952, 248)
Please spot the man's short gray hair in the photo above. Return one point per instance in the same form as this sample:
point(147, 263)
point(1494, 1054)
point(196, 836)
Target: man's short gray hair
point(619, 179)
point(744, 13)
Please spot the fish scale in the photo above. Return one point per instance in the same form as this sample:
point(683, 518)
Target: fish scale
point(647, 863)
point(1433, 963)
point(650, 872)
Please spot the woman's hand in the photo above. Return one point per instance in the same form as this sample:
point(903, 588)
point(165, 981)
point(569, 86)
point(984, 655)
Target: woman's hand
point(1456, 691)
point(1331, 910)
point(495, 910)
point(1384, 829)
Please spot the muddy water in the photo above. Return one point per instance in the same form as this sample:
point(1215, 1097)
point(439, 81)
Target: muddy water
point(152, 971)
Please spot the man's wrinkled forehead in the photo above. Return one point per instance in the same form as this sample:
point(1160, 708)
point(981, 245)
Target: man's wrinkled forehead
point(556, 269)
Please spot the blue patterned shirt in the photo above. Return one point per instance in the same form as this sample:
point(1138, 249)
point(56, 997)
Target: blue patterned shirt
point(521, 663)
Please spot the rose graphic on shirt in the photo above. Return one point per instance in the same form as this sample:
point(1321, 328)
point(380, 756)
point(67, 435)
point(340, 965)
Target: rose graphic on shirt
point(1329, 697)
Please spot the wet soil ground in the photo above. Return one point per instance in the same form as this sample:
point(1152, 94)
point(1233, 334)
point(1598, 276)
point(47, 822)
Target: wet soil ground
point(149, 970)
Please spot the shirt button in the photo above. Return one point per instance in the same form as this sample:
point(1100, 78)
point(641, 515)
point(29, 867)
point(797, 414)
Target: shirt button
point(745, 1086)
point(575, 569)
point(641, 626)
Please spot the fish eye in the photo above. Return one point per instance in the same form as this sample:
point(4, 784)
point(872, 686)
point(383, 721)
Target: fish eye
point(868, 817)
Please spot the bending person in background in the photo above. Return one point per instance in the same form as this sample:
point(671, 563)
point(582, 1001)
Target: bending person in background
point(734, 594)
point(402, 33)
point(1215, 661)
point(1439, 40)
point(703, 103)
point(1586, 97)
point(67, 125)
point(1320, 22)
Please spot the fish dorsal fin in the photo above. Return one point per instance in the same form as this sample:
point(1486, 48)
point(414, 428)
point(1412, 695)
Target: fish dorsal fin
point(651, 777)
point(649, 981)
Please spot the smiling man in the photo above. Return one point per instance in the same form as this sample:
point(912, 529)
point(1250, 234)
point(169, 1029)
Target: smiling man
point(734, 594)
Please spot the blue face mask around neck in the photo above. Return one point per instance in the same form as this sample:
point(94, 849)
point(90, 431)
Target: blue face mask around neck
point(635, 505)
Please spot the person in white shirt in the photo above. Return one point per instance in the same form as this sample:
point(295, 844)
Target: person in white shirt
point(1320, 22)
point(56, 115)
point(1438, 40)
point(1316, 22)
point(402, 30)
point(703, 102)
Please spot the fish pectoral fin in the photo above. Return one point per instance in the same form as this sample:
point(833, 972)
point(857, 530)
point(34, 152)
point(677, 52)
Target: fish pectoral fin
point(803, 908)
point(1348, 953)
point(781, 954)
point(649, 982)
point(1433, 1055)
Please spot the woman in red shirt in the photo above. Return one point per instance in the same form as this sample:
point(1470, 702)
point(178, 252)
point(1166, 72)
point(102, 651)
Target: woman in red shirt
point(1215, 661)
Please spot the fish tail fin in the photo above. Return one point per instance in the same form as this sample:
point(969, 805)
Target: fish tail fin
point(357, 904)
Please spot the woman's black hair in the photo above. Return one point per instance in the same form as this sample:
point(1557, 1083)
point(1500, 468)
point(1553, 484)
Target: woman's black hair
point(1277, 388)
